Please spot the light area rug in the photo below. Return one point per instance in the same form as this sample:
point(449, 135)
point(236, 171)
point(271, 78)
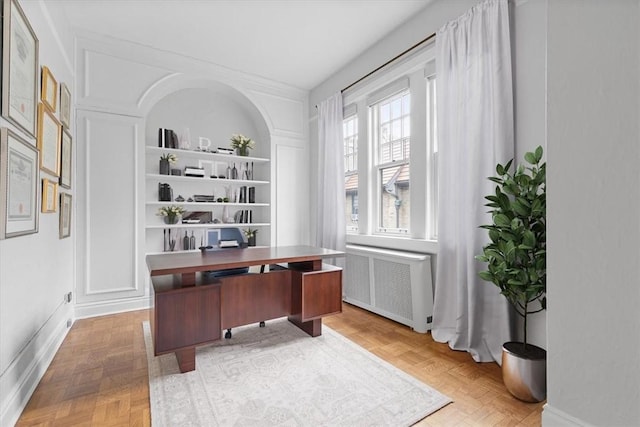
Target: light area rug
point(280, 376)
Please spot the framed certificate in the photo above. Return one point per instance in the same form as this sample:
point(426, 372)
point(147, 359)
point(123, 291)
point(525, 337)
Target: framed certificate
point(49, 132)
point(49, 196)
point(19, 181)
point(65, 105)
point(65, 159)
point(65, 215)
point(49, 93)
point(19, 68)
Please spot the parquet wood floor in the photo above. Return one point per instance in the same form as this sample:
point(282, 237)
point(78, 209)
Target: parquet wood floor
point(99, 375)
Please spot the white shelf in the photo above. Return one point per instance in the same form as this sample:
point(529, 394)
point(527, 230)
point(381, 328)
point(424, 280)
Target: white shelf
point(191, 179)
point(192, 251)
point(204, 155)
point(212, 225)
point(209, 204)
point(212, 162)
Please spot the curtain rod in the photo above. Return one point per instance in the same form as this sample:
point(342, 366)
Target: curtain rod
point(421, 42)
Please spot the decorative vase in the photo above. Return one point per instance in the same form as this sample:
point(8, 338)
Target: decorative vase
point(171, 219)
point(164, 167)
point(243, 151)
point(251, 241)
point(525, 372)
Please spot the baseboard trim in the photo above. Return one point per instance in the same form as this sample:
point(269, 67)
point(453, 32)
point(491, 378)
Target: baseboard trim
point(24, 373)
point(104, 308)
point(553, 417)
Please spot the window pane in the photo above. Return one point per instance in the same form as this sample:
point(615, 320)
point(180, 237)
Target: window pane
point(395, 201)
point(396, 129)
point(350, 126)
point(392, 140)
point(396, 108)
point(384, 113)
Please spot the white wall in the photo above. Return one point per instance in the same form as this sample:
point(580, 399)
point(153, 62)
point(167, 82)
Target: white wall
point(528, 33)
point(594, 213)
point(38, 269)
point(120, 84)
point(207, 113)
point(528, 38)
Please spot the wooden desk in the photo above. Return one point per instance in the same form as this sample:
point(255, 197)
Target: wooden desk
point(191, 309)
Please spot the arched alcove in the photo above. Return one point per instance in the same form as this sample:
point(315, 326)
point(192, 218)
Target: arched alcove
point(207, 109)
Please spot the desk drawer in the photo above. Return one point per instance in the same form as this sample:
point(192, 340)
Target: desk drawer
point(317, 293)
point(186, 317)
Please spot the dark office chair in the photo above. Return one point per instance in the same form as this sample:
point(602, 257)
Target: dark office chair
point(227, 235)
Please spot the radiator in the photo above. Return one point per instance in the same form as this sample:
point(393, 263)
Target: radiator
point(391, 283)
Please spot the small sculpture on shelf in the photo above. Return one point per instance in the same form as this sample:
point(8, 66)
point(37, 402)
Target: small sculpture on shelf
point(242, 144)
point(165, 161)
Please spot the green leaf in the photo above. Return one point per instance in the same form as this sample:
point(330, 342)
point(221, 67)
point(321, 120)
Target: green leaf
point(485, 275)
point(528, 239)
point(530, 158)
point(501, 220)
point(538, 153)
point(508, 165)
point(519, 207)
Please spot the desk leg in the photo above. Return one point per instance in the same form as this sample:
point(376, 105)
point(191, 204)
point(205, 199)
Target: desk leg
point(188, 279)
point(312, 327)
point(186, 359)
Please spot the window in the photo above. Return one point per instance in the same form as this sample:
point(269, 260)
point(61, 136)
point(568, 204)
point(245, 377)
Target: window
point(391, 137)
point(391, 156)
point(350, 134)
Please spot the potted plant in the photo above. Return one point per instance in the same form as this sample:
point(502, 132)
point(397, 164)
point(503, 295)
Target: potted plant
point(171, 214)
point(516, 263)
point(242, 144)
point(165, 160)
point(251, 236)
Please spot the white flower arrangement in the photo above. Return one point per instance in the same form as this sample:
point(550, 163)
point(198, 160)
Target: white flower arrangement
point(249, 232)
point(241, 142)
point(172, 158)
point(171, 211)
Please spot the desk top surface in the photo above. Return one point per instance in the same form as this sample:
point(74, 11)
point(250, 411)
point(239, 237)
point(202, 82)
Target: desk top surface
point(191, 262)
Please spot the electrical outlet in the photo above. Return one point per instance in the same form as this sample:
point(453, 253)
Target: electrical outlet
point(68, 297)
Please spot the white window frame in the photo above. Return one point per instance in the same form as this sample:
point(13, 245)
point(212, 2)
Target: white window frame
point(352, 116)
point(412, 69)
point(432, 154)
point(378, 167)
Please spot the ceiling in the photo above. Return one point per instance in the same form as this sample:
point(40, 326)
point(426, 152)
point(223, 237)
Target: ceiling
point(297, 42)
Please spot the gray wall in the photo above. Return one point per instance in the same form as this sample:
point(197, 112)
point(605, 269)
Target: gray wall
point(594, 213)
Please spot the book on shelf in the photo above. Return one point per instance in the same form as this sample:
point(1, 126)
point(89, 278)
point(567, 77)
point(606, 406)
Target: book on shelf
point(167, 138)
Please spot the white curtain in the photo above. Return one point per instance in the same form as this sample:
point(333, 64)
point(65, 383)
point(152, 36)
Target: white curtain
point(475, 132)
point(331, 226)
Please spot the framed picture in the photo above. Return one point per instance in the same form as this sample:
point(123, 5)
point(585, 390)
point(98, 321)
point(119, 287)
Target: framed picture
point(209, 168)
point(65, 160)
point(213, 237)
point(65, 215)
point(19, 68)
point(49, 131)
point(19, 181)
point(49, 196)
point(65, 105)
point(49, 93)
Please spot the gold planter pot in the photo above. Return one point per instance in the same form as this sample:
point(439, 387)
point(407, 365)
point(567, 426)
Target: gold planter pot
point(524, 372)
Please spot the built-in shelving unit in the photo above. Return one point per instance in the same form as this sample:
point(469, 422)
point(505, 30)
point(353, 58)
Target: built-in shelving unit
point(214, 183)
